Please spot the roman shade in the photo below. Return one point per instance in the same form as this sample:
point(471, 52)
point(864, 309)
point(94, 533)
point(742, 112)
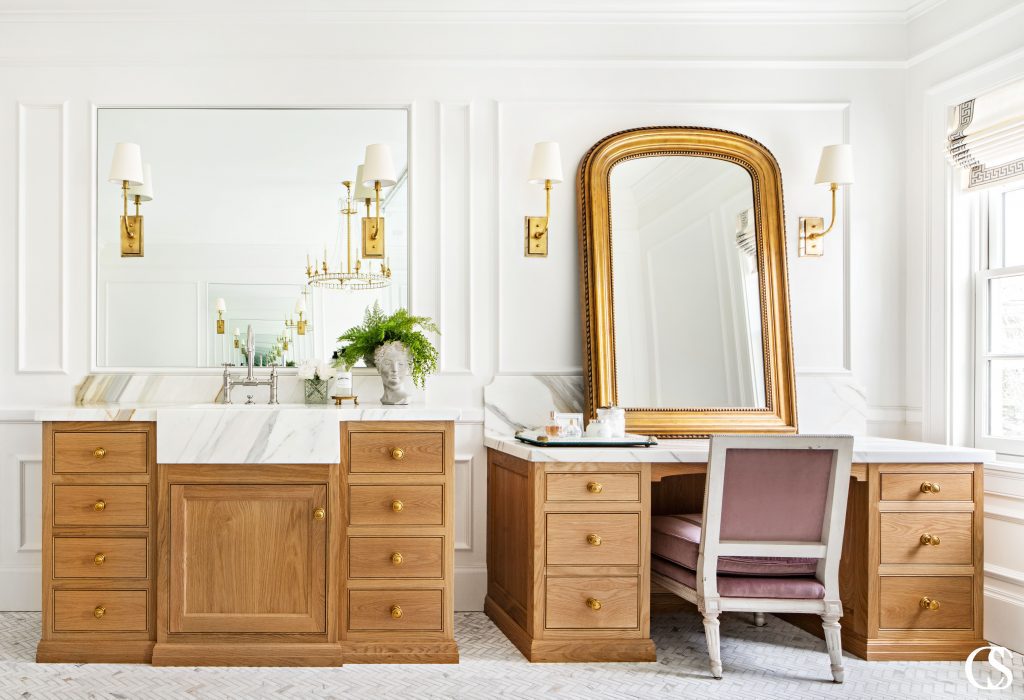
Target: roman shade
point(986, 137)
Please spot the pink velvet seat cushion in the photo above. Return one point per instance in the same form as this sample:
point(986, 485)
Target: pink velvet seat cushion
point(788, 587)
point(677, 539)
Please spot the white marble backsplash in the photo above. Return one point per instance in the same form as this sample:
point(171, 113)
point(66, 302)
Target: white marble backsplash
point(518, 402)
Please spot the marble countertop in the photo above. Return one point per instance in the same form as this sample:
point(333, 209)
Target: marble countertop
point(865, 449)
point(154, 411)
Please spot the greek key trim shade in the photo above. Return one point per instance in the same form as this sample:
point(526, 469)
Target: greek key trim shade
point(986, 137)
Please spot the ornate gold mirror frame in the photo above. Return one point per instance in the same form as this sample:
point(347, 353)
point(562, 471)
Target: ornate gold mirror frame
point(596, 284)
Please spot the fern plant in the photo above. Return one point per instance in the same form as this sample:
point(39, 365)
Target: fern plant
point(378, 328)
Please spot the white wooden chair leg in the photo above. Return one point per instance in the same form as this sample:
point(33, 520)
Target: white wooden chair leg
point(834, 641)
point(714, 643)
point(759, 619)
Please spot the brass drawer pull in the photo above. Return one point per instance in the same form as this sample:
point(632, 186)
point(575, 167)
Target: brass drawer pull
point(397, 505)
point(595, 487)
point(593, 603)
point(99, 505)
point(930, 540)
point(99, 559)
point(397, 453)
point(396, 611)
point(930, 487)
point(319, 514)
point(99, 612)
point(594, 540)
point(397, 558)
point(99, 453)
point(929, 603)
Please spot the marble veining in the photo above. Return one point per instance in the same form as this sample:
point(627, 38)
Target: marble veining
point(517, 402)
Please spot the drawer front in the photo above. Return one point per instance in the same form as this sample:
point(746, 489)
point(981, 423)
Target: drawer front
point(903, 600)
point(395, 610)
point(593, 539)
point(99, 557)
point(99, 611)
point(99, 505)
point(593, 488)
point(592, 603)
point(100, 453)
point(396, 557)
point(396, 453)
point(400, 504)
point(927, 538)
point(922, 487)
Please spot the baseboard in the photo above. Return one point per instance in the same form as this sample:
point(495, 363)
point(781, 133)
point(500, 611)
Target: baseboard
point(21, 589)
point(1004, 615)
point(470, 588)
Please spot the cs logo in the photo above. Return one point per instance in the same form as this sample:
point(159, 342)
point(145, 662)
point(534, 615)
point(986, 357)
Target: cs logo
point(998, 657)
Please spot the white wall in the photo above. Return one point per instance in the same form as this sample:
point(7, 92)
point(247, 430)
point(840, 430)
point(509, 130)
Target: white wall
point(481, 90)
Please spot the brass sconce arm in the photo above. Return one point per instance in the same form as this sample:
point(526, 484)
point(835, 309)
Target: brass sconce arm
point(833, 188)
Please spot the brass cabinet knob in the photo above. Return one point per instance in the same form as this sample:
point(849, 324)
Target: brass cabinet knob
point(593, 603)
point(99, 612)
point(397, 453)
point(594, 540)
point(932, 540)
point(99, 505)
point(396, 558)
point(595, 487)
point(319, 514)
point(99, 559)
point(929, 603)
point(396, 611)
point(99, 453)
point(397, 505)
point(930, 487)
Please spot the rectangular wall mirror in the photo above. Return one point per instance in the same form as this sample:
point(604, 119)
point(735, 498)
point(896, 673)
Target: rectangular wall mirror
point(241, 197)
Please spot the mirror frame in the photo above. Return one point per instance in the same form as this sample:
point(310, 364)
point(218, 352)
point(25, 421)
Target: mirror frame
point(597, 307)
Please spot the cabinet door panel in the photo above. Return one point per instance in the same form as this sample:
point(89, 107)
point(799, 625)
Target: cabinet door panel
point(248, 558)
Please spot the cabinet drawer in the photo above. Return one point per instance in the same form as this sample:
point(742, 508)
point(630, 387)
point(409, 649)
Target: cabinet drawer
point(902, 596)
point(921, 487)
point(400, 504)
point(99, 611)
point(100, 453)
point(99, 557)
point(99, 505)
point(592, 603)
point(593, 539)
point(927, 538)
point(396, 453)
point(593, 487)
point(396, 557)
point(395, 610)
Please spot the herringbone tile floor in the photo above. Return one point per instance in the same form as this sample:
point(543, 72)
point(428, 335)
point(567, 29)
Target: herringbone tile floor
point(776, 661)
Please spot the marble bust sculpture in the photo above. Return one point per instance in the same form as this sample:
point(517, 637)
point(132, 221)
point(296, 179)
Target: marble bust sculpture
point(393, 363)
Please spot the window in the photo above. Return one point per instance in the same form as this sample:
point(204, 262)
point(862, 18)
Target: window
point(1000, 323)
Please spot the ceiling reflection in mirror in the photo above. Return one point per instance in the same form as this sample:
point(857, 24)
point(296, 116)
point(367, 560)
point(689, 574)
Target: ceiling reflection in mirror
point(687, 309)
point(241, 198)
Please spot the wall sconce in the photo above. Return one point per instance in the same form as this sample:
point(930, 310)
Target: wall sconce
point(835, 168)
point(545, 169)
point(221, 308)
point(378, 171)
point(127, 169)
point(300, 309)
point(238, 332)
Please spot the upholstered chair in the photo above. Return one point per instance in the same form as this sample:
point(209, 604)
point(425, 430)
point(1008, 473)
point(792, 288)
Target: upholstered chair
point(770, 536)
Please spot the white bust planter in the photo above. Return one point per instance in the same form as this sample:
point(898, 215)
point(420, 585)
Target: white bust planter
point(395, 368)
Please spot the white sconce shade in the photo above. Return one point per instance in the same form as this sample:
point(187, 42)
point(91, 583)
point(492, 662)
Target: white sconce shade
point(546, 163)
point(144, 191)
point(127, 164)
point(362, 191)
point(221, 306)
point(836, 165)
point(238, 332)
point(300, 306)
point(378, 166)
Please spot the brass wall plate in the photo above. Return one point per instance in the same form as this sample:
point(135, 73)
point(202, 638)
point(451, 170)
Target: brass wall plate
point(373, 245)
point(536, 246)
point(300, 327)
point(220, 326)
point(811, 247)
point(131, 246)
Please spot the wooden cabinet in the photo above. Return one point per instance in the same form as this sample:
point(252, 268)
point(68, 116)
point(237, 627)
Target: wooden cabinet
point(567, 558)
point(248, 558)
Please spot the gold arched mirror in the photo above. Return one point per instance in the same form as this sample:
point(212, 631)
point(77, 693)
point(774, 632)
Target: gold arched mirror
point(684, 290)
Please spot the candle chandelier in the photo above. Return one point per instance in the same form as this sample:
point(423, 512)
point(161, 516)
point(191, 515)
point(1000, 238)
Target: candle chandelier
point(377, 172)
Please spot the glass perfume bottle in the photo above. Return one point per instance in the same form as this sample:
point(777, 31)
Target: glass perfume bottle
point(573, 430)
point(551, 428)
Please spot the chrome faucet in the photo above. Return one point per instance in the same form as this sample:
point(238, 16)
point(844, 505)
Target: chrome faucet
point(250, 379)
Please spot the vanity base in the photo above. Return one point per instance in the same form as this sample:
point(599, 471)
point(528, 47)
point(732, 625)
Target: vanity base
point(104, 652)
point(446, 652)
point(266, 654)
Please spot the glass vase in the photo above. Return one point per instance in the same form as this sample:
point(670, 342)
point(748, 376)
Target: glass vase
point(316, 391)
